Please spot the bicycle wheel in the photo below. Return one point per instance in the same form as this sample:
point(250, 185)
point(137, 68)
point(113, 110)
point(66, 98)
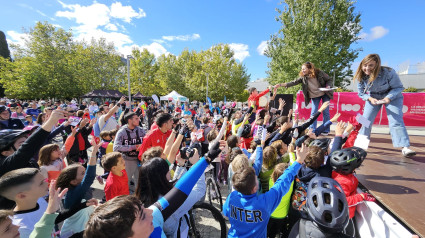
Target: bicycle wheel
point(206, 221)
point(214, 195)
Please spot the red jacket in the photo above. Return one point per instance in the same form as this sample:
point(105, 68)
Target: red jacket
point(116, 185)
point(154, 138)
point(256, 98)
point(349, 185)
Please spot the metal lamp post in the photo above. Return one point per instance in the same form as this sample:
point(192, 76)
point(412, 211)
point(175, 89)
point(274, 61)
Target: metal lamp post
point(128, 76)
point(206, 97)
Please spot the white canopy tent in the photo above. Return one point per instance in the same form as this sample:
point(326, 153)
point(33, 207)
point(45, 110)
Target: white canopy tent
point(175, 96)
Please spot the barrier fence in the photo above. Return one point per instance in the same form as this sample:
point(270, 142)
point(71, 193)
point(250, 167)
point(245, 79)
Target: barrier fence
point(350, 104)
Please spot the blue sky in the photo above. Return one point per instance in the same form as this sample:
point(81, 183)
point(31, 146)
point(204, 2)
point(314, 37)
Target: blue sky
point(393, 29)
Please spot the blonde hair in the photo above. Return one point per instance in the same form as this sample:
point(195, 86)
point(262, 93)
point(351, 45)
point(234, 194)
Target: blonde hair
point(240, 163)
point(269, 157)
point(359, 75)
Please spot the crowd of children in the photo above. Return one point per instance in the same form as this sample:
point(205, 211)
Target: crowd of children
point(284, 179)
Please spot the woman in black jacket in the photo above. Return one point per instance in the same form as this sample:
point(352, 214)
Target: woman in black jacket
point(313, 80)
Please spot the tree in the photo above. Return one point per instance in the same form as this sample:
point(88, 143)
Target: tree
point(5, 53)
point(52, 64)
point(143, 73)
point(4, 47)
point(98, 65)
point(319, 31)
point(225, 76)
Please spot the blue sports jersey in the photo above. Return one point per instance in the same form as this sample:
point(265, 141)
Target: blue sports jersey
point(249, 214)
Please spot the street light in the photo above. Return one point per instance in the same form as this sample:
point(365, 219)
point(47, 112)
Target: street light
point(206, 98)
point(128, 76)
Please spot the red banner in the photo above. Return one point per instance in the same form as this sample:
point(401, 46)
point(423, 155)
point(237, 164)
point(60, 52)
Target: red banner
point(350, 104)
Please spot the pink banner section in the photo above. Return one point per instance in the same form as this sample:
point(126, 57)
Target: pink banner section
point(349, 104)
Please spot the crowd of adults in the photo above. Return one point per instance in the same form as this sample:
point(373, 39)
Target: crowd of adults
point(286, 177)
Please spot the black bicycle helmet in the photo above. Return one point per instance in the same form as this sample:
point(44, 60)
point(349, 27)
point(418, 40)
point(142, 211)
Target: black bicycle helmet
point(361, 155)
point(344, 161)
point(327, 205)
point(8, 137)
point(323, 143)
point(246, 132)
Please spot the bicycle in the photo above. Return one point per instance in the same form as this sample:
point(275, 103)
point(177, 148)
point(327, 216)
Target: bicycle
point(206, 221)
point(213, 189)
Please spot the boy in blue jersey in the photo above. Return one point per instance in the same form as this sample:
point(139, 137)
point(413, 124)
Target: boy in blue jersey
point(248, 212)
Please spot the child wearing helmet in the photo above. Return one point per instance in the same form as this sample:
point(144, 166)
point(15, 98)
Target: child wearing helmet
point(327, 210)
point(344, 162)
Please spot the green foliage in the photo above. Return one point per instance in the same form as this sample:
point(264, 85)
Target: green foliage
point(4, 48)
point(52, 64)
point(318, 31)
point(342, 89)
point(410, 90)
point(188, 74)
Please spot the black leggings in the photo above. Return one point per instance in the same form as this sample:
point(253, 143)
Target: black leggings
point(276, 226)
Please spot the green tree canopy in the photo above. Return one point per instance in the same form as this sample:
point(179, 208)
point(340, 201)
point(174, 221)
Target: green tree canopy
point(4, 47)
point(318, 31)
point(52, 64)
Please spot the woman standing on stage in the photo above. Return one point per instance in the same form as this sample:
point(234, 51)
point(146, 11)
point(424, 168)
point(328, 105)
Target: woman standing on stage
point(313, 79)
point(379, 85)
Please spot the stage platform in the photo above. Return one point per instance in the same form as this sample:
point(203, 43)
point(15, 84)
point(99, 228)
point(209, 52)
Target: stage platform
point(397, 182)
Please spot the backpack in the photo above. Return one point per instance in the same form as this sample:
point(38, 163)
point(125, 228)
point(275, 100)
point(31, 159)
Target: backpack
point(299, 196)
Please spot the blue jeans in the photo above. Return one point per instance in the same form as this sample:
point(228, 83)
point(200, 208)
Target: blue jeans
point(315, 107)
point(395, 120)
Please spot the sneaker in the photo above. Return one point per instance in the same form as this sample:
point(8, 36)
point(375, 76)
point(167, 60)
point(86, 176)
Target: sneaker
point(408, 152)
point(324, 133)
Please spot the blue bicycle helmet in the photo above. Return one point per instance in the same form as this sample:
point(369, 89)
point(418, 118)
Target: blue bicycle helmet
point(327, 205)
point(323, 143)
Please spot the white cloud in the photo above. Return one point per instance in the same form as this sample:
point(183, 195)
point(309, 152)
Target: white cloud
point(154, 48)
point(90, 17)
point(97, 15)
point(17, 38)
point(111, 27)
point(125, 12)
point(182, 37)
point(241, 51)
point(262, 47)
point(375, 33)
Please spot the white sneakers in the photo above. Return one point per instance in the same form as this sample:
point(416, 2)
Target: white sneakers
point(407, 152)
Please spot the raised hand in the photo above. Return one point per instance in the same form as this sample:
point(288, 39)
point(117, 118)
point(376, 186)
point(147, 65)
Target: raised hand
point(122, 99)
point(335, 118)
point(55, 196)
point(324, 106)
point(301, 153)
point(281, 103)
point(92, 122)
point(340, 128)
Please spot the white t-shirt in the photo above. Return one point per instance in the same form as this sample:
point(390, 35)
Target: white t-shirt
point(27, 219)
point(111, 123)
point(92, 108)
